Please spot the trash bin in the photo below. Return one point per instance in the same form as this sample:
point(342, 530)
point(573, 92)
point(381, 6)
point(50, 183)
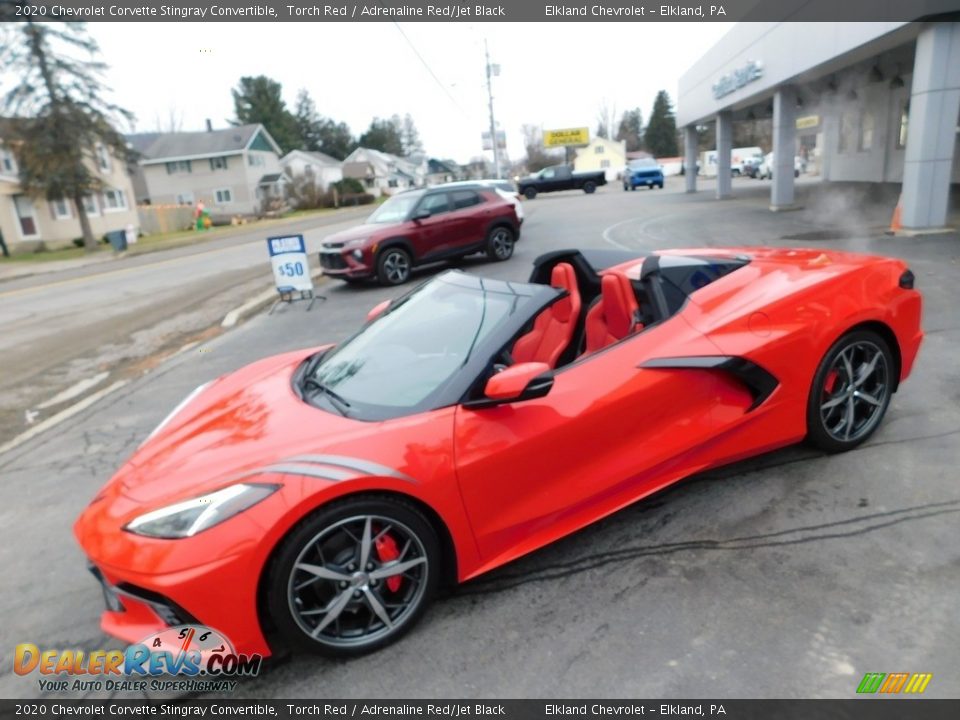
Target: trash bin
point(118, 239)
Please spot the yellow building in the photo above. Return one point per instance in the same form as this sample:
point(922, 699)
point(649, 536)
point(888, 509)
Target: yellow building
point(602, 154)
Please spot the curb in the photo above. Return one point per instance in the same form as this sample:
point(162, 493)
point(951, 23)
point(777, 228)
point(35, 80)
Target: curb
point(260, 301)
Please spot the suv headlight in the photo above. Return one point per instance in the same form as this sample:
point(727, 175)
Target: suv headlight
point(355, 243)
point(189, 517)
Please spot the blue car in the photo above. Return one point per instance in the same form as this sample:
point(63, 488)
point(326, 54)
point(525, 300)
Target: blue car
point(645, 171)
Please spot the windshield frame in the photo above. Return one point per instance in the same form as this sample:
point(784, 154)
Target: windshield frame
point(531, 298)
point(415, 195)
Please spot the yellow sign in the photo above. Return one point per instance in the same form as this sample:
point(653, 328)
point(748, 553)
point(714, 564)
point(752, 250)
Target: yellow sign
point(569, 136)
point(808, 121)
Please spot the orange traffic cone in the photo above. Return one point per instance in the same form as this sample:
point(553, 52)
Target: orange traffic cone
point(895, 225)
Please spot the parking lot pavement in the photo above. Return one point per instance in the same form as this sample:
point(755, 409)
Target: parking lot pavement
point(735, 583)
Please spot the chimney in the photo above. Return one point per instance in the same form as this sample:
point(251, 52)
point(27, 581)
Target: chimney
point(209, 125)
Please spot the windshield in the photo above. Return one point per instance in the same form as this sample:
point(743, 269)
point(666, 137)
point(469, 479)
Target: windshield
point(642, 164)
point(396, 209)
point(412, 352)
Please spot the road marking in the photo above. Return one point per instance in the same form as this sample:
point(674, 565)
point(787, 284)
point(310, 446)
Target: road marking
point(54, 420)
point(606, 234)
point(74, 390)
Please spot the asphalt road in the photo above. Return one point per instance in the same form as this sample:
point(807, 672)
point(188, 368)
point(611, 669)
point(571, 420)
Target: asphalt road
point(790, 575)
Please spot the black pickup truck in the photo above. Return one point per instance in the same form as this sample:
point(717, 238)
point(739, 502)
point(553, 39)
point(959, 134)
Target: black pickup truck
point(559, 177)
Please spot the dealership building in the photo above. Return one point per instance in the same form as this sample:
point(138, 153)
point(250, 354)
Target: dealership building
point(865, 102)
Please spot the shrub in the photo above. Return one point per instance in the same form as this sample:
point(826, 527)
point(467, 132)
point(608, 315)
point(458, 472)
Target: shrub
point(349, 186)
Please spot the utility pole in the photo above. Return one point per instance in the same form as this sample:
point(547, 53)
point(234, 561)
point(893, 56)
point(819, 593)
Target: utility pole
point(491, 71)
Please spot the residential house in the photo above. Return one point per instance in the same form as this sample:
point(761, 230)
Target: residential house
point(322, 169)
point(602, 154)
point(30, 222)
point(441, 171)
point(232, 171)
point(382, 173)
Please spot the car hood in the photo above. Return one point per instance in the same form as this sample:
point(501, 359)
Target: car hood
point(242, 422)
point(356, 233)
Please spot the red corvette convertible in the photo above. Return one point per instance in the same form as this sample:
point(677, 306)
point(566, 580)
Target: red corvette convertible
point(317, 499)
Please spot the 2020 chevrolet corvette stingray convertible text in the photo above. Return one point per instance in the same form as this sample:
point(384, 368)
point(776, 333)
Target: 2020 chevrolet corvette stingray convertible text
point(317, 499)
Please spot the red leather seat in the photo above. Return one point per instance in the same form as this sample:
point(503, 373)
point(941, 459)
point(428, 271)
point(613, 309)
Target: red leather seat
point(614, 316)
point(553, 329)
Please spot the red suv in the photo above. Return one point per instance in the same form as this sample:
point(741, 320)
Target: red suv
point(422, 226)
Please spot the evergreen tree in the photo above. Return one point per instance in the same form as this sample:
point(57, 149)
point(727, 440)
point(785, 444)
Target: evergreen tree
point(336, 140)
point(258, 100)
point(660, 137)
point(309, 123)
point(383, 135)
point(60, 116)
point(631, 130)
point(410, 136)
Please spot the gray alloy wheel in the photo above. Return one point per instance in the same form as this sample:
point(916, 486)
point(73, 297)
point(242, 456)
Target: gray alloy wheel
point(354, 576)
point(851, 391)
point(393, 267)
point(500, 242)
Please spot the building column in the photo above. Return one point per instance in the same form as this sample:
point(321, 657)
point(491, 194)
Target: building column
point(931, 132)
point(690, 143)
point(724, 150)
point(784, 148)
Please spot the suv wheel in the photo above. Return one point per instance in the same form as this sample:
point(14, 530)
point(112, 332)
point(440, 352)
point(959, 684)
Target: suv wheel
point(500, 241)
point(393, 266)
point(530, 193)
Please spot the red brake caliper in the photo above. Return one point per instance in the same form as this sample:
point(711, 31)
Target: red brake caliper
point(387, 550)
point(831, 384)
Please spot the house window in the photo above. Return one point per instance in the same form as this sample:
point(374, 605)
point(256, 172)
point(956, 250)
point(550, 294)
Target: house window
point(61, 209)
point(8, 164)
point(24, 209)
point(179, 166)
point(866, 131)
point(369, 182)
point(256, 160)
point(185, 198)
point(90, 206)
point(114, 200)
point(604, 164)
point(103, 158)
point(308, 169)
point(218, 163)
point(392, 183)
point(223, 196)
point(904, 117)
point(598, 150)
point(848, 132)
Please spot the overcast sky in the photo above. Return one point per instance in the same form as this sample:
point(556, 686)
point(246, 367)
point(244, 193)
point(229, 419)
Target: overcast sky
point(552, 74)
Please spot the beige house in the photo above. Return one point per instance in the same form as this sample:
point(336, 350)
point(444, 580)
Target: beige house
point(29, 222)
point(602, 154)
point(231, 171)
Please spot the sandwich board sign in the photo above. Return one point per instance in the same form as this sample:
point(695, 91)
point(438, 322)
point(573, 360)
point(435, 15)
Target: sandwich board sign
point(291, 269)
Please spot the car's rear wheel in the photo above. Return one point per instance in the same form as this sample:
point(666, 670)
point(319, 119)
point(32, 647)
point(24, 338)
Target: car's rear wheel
point(500, 242)
point(530, 193)
point(589, 186)
point(393, 266)
point(851, 391)
point(354, 576)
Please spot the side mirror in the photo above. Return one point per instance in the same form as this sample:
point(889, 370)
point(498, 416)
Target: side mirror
point(421, 214)
point(378, 310)
point(523, 381)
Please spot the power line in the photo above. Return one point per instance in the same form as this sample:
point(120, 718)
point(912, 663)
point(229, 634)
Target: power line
point(430, 70)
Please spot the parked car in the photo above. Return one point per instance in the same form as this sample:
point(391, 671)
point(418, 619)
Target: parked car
point(318, 499)
point(643, 171)
point(765, 171)
point(560, 177)
point(423, 226)
point(751, 166)
point(505, 188)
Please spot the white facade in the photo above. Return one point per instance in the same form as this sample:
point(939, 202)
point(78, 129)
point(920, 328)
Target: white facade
point(602, 154)
point(322, 169)
point(856, 101)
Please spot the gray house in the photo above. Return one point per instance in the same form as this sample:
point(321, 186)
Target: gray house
point(231, 171)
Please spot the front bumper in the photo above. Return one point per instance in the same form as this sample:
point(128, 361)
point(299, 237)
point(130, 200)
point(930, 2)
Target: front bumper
point(342, 263)
point(648, 180)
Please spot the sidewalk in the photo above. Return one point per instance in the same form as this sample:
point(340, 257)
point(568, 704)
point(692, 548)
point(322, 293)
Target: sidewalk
point(12, 270)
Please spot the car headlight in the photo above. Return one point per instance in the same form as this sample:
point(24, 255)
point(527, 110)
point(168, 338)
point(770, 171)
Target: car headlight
point(182, 404)
point(358, 242)
point(189, 517)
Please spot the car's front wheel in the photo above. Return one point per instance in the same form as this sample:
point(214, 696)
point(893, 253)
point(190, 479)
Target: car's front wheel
point(851, 391)
point(354, 576)
point(589, 186)
point(530, 193)
point(500, 242)
point(393, 266)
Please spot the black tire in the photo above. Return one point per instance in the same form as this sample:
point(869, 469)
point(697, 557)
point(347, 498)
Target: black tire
point(845, 410)
point(358, 628)
point(659, 186)
point(530, 193)
point(500, 242)
point(625, 188)
point(589, 186)
point(393, 266)
point(633, 188)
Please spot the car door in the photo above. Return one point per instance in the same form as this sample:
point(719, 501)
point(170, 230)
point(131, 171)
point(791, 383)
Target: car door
point(432, 234)
point(471, 214)
point(609, 432)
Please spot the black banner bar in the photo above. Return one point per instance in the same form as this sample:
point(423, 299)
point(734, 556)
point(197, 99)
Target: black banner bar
point(873, 708)
point(641, 11)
